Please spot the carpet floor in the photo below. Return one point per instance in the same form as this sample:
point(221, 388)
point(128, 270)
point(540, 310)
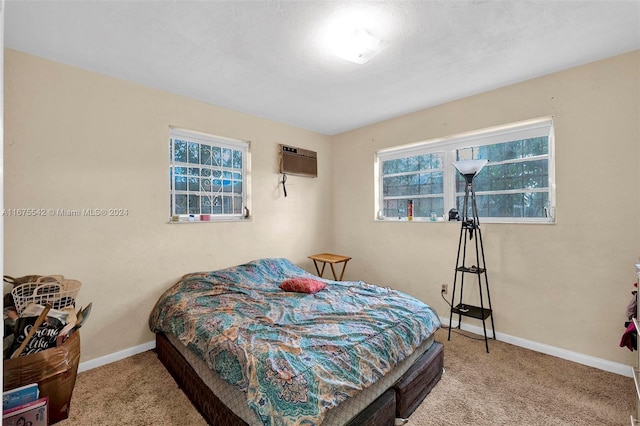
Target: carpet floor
point(508, 386)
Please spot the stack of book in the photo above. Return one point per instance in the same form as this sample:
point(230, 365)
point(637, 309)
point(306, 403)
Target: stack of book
point(23, 406)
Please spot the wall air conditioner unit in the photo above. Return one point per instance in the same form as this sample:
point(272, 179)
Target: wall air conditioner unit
point(298, 161)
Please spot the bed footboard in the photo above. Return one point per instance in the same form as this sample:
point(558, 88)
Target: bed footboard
point(381, 412)
point(418, 381)
point(399, 401)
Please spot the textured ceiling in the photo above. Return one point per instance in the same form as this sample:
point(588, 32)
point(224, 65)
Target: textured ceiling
point(267, 58)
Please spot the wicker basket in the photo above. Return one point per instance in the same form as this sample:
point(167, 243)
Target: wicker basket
point(56, 290)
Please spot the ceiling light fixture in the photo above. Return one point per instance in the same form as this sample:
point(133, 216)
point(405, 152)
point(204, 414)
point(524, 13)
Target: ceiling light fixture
point(359, 47)
point(354, 34)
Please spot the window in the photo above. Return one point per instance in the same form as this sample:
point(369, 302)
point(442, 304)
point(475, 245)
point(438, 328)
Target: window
point(208, 177)
point(516, 185)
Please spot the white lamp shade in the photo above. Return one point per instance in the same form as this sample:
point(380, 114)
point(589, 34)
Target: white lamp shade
point(470, 167)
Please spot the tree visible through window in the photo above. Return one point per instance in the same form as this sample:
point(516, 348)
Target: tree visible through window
point(207, 176)
point(515, 182)
point(515, 186)
point(419, 178)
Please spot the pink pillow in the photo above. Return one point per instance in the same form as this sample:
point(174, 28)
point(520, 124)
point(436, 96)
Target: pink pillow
point(302, 285)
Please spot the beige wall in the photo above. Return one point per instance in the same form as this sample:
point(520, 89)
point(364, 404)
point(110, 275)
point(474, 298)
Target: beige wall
point(75, 139)
point(79, 140)
point(566, 285)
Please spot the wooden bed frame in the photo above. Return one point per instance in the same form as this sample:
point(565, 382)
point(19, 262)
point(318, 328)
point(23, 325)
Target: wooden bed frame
point(399, 401)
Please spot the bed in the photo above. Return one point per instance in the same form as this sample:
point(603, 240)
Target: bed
point(316, 351)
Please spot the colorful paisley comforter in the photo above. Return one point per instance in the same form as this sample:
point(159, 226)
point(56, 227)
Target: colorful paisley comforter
point(296, 355)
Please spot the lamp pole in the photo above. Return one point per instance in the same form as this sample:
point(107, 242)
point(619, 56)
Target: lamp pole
point(471, 227)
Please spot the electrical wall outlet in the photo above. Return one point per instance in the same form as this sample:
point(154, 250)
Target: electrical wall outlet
point(445, 288)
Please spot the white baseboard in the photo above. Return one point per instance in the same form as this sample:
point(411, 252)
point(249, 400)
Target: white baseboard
point(602, 364)
point(116, 356)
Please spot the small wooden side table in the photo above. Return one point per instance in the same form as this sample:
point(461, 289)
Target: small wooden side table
point(330, 259)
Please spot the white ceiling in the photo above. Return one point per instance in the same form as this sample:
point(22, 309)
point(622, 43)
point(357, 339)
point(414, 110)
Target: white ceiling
point(266, 57)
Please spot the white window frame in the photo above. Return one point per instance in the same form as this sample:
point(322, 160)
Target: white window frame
point(449, 145)
point(213, 141)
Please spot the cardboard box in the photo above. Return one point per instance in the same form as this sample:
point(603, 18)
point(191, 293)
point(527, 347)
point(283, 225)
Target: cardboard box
point(54, 370)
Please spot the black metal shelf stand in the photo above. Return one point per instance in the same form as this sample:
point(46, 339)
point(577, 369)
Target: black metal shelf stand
point(470, 233)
